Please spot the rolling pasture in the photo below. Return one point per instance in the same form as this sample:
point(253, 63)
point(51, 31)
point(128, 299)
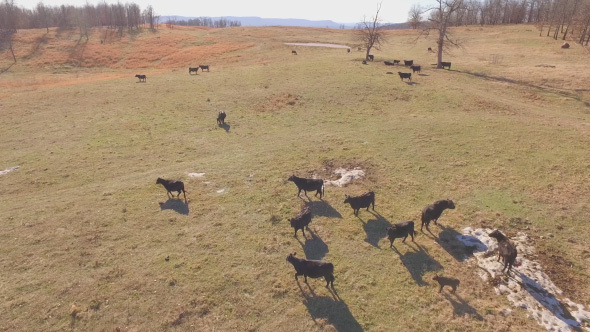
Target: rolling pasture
point(89, 242)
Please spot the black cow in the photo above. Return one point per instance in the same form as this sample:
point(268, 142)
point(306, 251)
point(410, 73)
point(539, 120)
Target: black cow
point(396, 62)
point(221, 117)
point(430, 50)
point(405, 75)
point(415, 68)
point(446, 281)
point(203, 67)
point(363, 201)
point(312, 269)
point(301, 221)
point(142, 78)
point(308, 185)
point(506, 250)
point(388, 63)
point(408, 63)
point(294, 52)
point(371, 57)
point(434, 210)
point(172, 185)
point(399, 230)
point(445, 64)
point(193, 69)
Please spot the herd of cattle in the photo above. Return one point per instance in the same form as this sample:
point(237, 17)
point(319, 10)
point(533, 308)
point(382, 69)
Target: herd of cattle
point(318, 268)
point(432, 212)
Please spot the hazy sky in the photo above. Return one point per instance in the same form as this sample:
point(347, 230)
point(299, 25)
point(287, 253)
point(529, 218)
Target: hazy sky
point(342, 11)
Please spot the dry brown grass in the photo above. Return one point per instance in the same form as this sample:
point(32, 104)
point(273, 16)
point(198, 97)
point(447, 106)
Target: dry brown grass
point(85, 231)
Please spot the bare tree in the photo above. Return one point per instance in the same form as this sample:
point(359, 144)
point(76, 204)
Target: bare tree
point(415, 16)
point(441, 18)
point(371, 32)
point(150, 17)
point(8, 23)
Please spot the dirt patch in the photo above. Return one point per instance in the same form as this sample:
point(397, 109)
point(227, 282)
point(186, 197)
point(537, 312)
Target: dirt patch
point(277, 102)
point(528, 286)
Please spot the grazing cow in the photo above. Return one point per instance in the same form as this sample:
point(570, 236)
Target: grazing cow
point(565, 45)
point(294, 52)
point(142, 78)
point(203, 67)
point(193, 69)
point(301, 221)
point(308, 185)
point(446, 281)
point(430, 50)
point(433, 212)
point(445, 64)
point(408, 63)
point(405, 75)
point(221, 117)
point(371, 57)
point(415, 68)
point(348, 50)
point(506, 250)
point(312, 269)
point(399, 230)
point(363, 201)
point(388, 63)
point(396, 62)
point(172, 185)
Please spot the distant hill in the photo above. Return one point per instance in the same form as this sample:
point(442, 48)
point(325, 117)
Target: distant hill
point(259, 21)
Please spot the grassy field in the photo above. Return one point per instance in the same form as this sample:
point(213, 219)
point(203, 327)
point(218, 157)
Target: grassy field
point(84, 229)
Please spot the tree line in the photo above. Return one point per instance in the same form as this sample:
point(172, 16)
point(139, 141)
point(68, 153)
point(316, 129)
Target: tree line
point(121, 17)
point(555, 18)
point(205, 22)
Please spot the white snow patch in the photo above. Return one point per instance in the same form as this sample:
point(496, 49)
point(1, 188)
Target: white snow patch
point(528, 287)
point(196, 175)
point(318, 45)
point(346, 176)
point(8, 170)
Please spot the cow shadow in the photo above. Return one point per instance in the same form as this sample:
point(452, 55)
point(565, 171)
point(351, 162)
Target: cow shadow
point(423, 75)
point(225, 126)
point(332, 309)
point(412, 83)
point(448, 239)
point(176, 205)
point(549, 301)
point(314, 248)
point(418, 262)
point(376, 229)
point(323, 209)
point(461, 307)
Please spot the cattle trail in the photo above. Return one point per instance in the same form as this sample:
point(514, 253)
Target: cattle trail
point(346, 176)
point(8, 170)
point(318, 45)
point(528, 287)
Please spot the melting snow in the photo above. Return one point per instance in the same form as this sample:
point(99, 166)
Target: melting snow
point(8, 170)
point(528, 287)
point(346, 176)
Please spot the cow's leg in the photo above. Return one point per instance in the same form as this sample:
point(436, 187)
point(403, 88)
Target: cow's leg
point(404, 240)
